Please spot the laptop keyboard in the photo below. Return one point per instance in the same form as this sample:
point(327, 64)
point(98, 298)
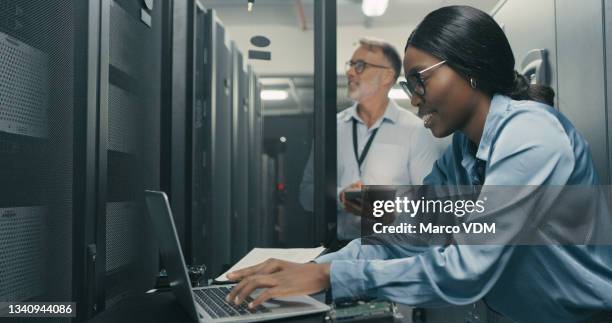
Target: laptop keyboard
point(214, 303)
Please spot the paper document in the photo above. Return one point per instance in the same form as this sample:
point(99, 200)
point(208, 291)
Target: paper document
point(258, 255)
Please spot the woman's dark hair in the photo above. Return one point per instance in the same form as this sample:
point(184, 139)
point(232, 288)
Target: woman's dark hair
point(474, 45)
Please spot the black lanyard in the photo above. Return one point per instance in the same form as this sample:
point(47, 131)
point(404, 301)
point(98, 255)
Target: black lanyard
point(364, 153)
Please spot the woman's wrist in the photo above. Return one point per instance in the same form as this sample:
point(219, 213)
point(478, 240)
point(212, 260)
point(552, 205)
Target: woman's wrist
point(325, 270)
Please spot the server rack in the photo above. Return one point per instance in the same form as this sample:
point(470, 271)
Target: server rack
point(205, 156)
point(266, 221)
point(256, 165)
point(240, 191)
point(50, 55)
point(186, 127)
point(182, 130)
point(177, 65)
point(92, 145)
point(325, 85)
point(213, 224)
point(128, 147)
point(40, 73)
point(200, 140)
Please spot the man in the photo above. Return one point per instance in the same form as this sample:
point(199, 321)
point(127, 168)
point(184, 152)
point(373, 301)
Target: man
point(392, 146)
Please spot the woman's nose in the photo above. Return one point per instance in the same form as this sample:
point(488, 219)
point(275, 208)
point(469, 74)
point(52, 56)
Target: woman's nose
point(416, 100)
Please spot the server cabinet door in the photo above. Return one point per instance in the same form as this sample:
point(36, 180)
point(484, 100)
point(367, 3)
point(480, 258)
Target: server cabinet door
point(582, 82)
point(239, 225)
point(254, 157)
point(219, 212)
point(129, 145)
point(40, 68)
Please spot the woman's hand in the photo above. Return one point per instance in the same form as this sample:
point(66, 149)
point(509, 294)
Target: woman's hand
point(279, 278)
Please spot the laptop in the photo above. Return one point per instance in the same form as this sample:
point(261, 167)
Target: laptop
point(207, 304)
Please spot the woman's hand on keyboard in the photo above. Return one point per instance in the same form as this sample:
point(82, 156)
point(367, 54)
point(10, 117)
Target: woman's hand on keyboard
point(279, 278)
point(267, 267)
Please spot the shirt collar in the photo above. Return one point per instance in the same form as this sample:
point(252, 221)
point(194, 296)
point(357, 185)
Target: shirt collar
point(499, 105)
point(391, 113)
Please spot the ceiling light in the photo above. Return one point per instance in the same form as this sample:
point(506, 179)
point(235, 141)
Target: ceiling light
point(398, 94)
point(274, 95)
point(250, 5)
point(374, 8)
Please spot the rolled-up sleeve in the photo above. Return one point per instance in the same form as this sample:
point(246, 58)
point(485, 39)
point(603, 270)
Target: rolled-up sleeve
point(440, 276)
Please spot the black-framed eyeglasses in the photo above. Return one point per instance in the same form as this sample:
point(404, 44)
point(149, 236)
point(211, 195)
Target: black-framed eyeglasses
point(415, 83)
point(361, 65)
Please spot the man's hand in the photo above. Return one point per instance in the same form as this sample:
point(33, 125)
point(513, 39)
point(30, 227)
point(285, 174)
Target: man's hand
point(351, 206)
point(280, 278)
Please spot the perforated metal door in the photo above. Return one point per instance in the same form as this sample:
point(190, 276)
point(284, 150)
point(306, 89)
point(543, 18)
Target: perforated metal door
point(132, 148)
point(37, 77)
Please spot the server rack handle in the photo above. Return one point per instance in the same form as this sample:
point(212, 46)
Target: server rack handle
point(535, 66)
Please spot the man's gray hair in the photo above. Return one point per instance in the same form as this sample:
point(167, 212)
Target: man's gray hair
point(388, 51)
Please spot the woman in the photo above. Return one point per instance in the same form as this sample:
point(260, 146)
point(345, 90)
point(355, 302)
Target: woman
point(460, 74)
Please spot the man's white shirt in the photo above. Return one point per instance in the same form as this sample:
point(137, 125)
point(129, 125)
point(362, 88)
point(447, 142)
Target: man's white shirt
point(402, 153)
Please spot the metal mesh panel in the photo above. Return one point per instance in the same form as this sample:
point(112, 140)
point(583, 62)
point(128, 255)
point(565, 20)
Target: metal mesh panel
point(122, 119)
point(21, 252)
point(121, 227)
point(133, 147)
point(123, 38)
point(24, 82)
point(36, 149)
point(124, 141)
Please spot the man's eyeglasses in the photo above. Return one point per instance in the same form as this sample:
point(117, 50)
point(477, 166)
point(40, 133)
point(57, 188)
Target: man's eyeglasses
point(360, 66)
point(415, 83)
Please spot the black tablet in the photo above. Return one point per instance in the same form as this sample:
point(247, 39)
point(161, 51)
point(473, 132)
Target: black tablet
point(353, 194)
